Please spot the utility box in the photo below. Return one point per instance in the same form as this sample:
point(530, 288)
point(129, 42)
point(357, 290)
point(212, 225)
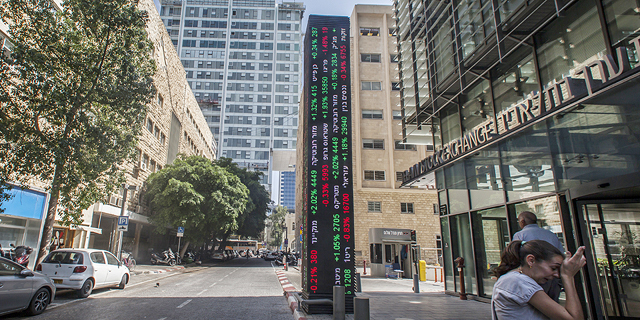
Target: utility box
point(423, 270)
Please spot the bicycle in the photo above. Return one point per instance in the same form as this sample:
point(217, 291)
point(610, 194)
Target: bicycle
point(128, 260)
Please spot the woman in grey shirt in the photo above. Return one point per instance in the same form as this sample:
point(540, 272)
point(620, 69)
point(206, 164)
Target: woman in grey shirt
point(524, 266)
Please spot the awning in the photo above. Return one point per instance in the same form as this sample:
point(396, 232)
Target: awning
point(89, 229)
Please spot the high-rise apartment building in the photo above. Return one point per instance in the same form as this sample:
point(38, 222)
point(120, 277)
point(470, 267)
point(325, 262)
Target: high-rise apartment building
point(243, 63)
point(531, 106)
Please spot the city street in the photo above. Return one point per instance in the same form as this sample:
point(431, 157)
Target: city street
point(235, 289)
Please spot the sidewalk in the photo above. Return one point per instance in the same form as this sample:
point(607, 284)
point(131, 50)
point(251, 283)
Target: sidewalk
point(149, 268)
point(391, 299)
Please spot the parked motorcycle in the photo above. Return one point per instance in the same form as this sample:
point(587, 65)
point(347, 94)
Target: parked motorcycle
point(166, 257)
point(19, 254)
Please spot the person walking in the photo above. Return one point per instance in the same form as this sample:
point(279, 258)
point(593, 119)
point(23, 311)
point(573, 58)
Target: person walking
point(524, 267)
point(528, 222)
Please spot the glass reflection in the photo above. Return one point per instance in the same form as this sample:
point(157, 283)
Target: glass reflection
point(462, 247)
point(449, 282)
point(477, 106)
point(527, 164)
point(483, 179)
point(491, 236)
point(597, 140)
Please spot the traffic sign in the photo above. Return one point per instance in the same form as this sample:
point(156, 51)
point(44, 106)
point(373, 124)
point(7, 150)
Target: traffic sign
point(180, 231)
point(123, 223)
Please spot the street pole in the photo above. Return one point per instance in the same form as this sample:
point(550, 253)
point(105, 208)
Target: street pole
point(120, 234)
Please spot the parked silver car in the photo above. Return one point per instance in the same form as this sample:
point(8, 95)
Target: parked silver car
point(22, 289)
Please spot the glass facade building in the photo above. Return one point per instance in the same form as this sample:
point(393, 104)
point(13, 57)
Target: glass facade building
point(243, 63)
point(531, 106)
point(288, 189)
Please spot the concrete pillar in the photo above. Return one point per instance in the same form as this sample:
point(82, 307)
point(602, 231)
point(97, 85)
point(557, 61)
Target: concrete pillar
point(136, 240)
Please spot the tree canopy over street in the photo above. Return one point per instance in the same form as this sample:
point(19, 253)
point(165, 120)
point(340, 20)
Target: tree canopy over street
point(251, 220)
point(277, 223)
point(72, 99)
point(198, 194)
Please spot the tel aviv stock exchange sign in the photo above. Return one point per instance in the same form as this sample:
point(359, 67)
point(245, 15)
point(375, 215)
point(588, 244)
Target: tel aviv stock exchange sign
point(328, 250)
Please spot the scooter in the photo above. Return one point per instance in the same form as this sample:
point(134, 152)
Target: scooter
point(22, 255)
point(166, 257)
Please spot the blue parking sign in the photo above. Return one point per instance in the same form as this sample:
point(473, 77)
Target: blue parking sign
point(123, 223)
point(180, 229)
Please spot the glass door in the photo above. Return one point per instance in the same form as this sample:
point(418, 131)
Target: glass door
point(615, 248)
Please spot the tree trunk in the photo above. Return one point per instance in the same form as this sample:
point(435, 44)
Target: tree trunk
point(184, 249)
point(50, 219)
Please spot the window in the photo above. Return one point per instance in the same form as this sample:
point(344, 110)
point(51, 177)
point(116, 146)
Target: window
point(392, 32)
point(404, 146)
point(156, 132)
point(374, 206)
point(162, 138)
point(150, 125)
point(394, 58)
point(111, 259)
point(369, 57)
point(374, 175)
point(406, 207)
point(397, 115)
point(371, 32)
point(373, 144)
point(371, 114)
point(371, 85)
point(160, 100)
point(399, 175)
point(97, 257)
point(395, 86)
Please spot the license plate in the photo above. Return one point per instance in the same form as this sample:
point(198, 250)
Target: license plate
point(57, 281)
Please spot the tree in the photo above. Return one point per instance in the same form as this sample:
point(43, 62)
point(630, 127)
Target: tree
point(196, 193)
point(277, 223)
point(251, 220)
point(73, 97)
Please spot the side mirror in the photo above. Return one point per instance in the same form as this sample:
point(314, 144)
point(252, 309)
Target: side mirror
point(26, 273)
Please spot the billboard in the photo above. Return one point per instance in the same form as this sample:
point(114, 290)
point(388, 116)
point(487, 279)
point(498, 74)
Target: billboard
point(328, 257)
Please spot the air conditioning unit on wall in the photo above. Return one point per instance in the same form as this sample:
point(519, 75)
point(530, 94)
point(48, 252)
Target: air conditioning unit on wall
point(113, 200)
point(143, 166)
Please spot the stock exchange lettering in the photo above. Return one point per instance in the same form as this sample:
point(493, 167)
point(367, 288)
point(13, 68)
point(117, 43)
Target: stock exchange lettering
point(329, 211)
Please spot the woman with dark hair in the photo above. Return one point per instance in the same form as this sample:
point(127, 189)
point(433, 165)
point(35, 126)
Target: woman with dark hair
point(524, 266)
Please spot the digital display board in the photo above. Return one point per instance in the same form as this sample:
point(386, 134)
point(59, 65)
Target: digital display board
point(328, 256)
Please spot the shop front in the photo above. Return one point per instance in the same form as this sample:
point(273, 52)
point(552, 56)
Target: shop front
point(393, 253)
point(22, 219)
point(553, 129)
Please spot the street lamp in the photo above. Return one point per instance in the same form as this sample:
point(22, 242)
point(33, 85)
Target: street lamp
point(125, 187)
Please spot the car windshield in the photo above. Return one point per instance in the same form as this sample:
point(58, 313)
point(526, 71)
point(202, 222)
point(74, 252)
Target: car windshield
point(64, 258)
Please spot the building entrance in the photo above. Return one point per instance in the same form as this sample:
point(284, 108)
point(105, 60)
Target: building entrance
point(613, 240)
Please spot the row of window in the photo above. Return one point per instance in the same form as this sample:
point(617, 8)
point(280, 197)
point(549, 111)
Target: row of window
point(379, 144)
point(377, 86)
point(377, 114)
point(380, 175)
point(375, 32)
point(375, 57)
point(376, 206)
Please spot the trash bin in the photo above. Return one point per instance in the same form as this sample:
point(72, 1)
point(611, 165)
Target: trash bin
point(423, 270)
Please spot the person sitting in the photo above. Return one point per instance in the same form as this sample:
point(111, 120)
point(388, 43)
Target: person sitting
point(524, 267)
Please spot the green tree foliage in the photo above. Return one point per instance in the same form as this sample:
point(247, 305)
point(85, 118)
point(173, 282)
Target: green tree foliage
point(72, 99)
point(198, 194)
point(251, 220)
point(277, 222)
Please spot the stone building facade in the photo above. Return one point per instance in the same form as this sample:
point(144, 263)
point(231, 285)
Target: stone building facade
point(380, 156)
point(174, 125)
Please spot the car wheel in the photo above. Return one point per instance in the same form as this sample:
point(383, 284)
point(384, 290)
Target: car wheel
point(86, 289)
point(39, 302)
point(123, 282)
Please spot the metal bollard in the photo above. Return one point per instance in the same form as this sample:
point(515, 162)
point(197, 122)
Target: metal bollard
point(284, 259)
point(338, 303)
point(416, 283)
point(364, 262)
point(460, 262)
point(361, 308)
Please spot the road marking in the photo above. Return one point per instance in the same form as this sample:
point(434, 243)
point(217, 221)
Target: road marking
point(139, 283)
point(162, 319)
point(213, 284)
point(201, 292)
point(183, 304)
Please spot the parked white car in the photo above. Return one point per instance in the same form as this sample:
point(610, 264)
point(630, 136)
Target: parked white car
point(84, 270)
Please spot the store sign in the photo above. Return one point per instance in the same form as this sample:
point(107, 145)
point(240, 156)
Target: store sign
point(537, 104)
point(328, 240)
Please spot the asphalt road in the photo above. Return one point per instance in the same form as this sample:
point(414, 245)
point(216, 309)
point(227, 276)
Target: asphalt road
point(235, 289)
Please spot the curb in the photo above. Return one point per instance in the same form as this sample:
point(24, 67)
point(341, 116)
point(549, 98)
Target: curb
point(157, 271)
point(288, 290)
